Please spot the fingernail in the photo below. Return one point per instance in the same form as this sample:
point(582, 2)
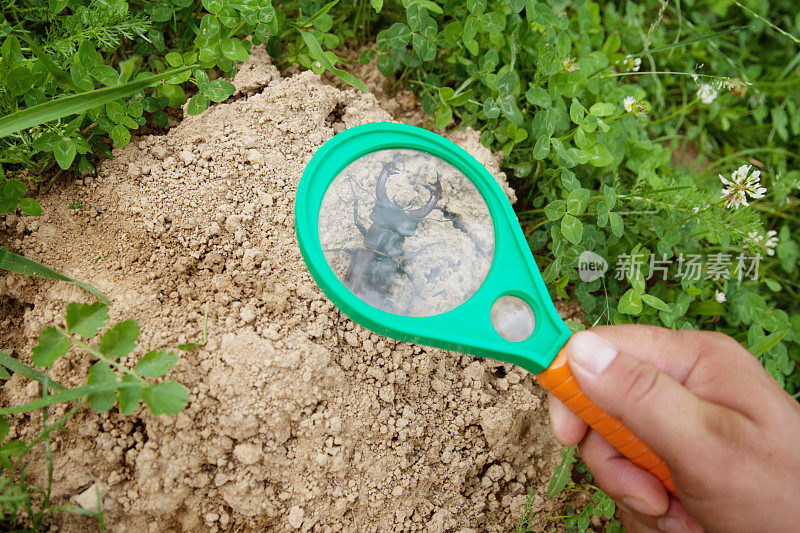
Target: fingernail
point(640, 506)
point(669, 524)
point(591, 352)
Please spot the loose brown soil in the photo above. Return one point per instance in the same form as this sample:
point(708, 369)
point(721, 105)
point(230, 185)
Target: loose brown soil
point(298, 419)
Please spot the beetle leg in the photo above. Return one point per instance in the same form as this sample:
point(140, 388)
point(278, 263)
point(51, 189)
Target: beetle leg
point(408, 275)
point(421, 249)
point(454, 218)
point(354, 183)
point(359, 225)
point(458, 223)
point(439, 293)
point(349, 251)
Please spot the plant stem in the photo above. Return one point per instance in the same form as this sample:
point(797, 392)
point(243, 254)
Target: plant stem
point(768, 23)
point(103, 358)
point(679, 111)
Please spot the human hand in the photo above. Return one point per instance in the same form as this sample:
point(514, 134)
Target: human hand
point(704, 404)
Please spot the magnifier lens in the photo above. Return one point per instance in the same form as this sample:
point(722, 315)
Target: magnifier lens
point(406, 232)
point(512, 318)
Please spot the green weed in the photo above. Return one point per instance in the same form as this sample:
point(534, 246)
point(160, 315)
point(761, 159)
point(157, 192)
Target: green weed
point(599, 504)
point(76, 74)
point(109, 382)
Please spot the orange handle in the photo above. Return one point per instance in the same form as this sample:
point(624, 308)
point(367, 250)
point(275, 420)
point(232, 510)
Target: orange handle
point(558, 379)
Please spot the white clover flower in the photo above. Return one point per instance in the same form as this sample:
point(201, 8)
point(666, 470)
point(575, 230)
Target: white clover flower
point(633, 64)
point(720, 297)
point(706, 93)
point(629, 103)
point(769, 241)
point(741, 185)
point(569, 64)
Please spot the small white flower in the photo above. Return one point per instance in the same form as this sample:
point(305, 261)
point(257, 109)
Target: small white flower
point(569, 64)
point(720, 297)
point(706, 93)
point(741, 185)
point(631, 63)
point(629, 102)
point(769, 241)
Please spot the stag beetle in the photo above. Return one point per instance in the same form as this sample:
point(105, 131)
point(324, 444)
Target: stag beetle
point(374, 267)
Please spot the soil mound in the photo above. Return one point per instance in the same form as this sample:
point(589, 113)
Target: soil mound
point(298, 419)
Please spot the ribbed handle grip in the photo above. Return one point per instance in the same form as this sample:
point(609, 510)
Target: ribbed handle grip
point(558, 379)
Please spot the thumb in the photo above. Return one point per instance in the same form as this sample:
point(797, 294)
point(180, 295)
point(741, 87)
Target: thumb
point(675, 423)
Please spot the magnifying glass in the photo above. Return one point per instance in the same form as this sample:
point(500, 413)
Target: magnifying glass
point(413, 238)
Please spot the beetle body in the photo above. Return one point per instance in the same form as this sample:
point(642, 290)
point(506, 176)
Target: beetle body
point(374, 268)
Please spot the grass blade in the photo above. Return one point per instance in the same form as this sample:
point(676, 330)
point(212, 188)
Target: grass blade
point(22, 265)
point(316, 52)
point(57, 72)
point(78, 103)
point(767, 343)
point(768, 23)
point(66, 396)
point(28, 372)
point(692, 41)
point(323, 11)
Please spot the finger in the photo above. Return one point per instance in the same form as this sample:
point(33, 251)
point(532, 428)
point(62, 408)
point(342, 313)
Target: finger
point(675, 352)
point(625, 482)
point(675, 520)
point(568, 428)
point(662, 412)
point(712, 365)
point(638, 492)
point(634, 525)
point(627, 519)
point(678, 520)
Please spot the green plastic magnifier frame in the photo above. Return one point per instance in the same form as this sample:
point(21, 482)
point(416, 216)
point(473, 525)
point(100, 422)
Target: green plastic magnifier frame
point(466, 328)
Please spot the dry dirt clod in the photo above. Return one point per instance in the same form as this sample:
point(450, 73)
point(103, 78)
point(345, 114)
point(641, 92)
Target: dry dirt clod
point(297, 418)
point(296, 517)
